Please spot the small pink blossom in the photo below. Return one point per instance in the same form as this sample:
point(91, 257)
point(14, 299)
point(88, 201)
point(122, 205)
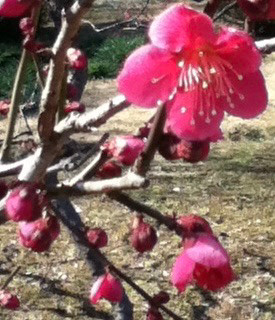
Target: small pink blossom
point(8, 300)
point(26, 26)
point(143, 236)
point(75, 106)
point(77, 59)
point(39, 234)
point(24, 203)
point(97, 237)
point(106, 287)
point(15, 8)
point(125, 149)
point(200, 74)
point(4, 107)
point(204, 261)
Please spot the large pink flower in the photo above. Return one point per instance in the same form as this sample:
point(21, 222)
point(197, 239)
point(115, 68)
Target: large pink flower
point(199, 73)
point(205, 262)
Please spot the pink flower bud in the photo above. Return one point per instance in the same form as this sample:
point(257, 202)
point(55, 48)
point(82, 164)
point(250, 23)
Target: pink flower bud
point(173, 148)
point(106, 287)
point(26, 26)
point(8, 300)
point(192, 224)
point(77, 59)
point(97, 237)
point(39, 234)
point(143, 237)
point(153, 314)
point(15, 8)
point(125, 149)
point(4, 107)
point(24, 203)
point(75, 106)
point(3, 189)
point(109, 170)
point(205, 262)
point(161, 298)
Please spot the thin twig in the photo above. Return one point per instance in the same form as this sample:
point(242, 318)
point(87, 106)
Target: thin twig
point(142, 164)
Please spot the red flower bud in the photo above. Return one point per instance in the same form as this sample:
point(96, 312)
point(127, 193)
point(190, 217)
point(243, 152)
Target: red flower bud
point(192, 224)
point(173, 148)
point(143, 237)
point(258, 9)
point(77, 59)
point(39, 234)
point(24, 203)
point(97, 237)
point(109, 170)
point(153, 314)
point(8, 300)
point(75, 106)
point(106, 287)
point(161, 298)
point(26, 26)
point(4, 107)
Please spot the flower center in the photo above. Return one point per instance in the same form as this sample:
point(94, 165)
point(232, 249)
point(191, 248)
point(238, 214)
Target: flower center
point(205, 76)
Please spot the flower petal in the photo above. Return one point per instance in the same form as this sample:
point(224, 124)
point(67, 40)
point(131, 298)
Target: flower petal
point(213, 279)
point(149, 74)
point(249, 98)
point(185, 121)
point(178, 27)
point(238, 48)
point(208, 252)
point(182, 272)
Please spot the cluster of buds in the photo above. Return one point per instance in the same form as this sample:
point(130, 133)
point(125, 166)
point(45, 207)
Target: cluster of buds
point(25, 205)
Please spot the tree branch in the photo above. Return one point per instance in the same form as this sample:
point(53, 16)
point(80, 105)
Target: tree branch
point(266, 46)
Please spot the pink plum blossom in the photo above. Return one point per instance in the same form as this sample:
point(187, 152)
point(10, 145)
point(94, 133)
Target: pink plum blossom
point(199, 73)
point(205, 262)
point(106, 287)
point(4, 107)
point(125, 149)
point(15, 8)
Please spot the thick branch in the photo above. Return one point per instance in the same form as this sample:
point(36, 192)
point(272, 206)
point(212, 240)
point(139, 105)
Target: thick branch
point(129, 181)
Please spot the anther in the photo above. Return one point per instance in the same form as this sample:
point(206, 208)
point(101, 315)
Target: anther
point(240, 77)
point(213, 112)
point(192, 122)
point(201, 54)
point(181, 64)
point(201, 113)
point(241, 96)
point(212, 70)
point(183, 110)
point(204, 85)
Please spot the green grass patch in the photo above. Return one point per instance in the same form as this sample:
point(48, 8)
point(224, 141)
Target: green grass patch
point(108, 58)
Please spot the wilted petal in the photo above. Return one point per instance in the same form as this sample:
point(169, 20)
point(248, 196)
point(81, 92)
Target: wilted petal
point(238, 48)
point(149, 75)
point(178, 28)
point(249, 98)
point(182, 272)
